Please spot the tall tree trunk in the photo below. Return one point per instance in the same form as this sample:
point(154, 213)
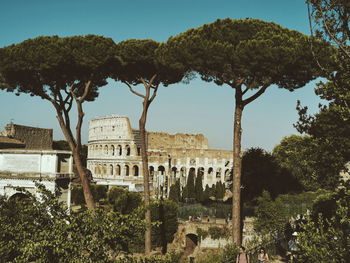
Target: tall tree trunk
point(237, 164)
point(78, 163)
point(142, 125)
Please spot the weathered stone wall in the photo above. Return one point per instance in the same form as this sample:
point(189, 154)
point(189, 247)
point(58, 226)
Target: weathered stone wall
point(162, 140)
point(32, 137)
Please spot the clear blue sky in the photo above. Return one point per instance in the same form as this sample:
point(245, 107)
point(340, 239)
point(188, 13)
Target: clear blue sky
point(198, 107)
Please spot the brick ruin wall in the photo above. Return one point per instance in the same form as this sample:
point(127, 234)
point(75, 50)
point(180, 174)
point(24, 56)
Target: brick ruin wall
point(162, 140)
point(34, 138)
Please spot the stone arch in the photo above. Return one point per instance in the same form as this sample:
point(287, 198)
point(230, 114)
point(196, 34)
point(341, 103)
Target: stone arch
point(191, 242)
point(192, 171)
point(227, 173)
point(135, 170)
point(101, 151)
point(161, 169)
point(104, 169)
point(218, 173)
point(200, 172)
point(210, 171)
point(138, 151)
point(119, 150)
point(173, 171)
point(106, 150)
point(19, 196)
point(112, 150)
point(151, 171)
point(127, 150)
point(127, 170)
point(117, 169)
point(111, 169)
point(183, 171)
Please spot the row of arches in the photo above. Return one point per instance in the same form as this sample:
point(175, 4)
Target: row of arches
point(112, 150)
point(110, 169)
point(116, 170)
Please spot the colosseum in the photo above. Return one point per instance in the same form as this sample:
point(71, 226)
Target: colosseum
point(114, 156)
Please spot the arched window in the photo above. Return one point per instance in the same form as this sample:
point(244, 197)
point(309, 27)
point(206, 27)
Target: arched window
point(127, 149)
point(117, 169)
point(210, 171)
point(138, 151)
point(112, 150)
point(174, 170)
point(151, 171)
point(126, 167)
point(183, 171)
point(100, 149)
point(104, 169)
point(111, 169)
point(161, 170)
point(218, 173)
point(119, 149)
point(106, 149)
point(135, 169)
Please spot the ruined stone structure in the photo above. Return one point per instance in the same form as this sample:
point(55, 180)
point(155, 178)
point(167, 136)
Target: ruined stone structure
point(114, 156)
point(30, 137)
point(27, 157)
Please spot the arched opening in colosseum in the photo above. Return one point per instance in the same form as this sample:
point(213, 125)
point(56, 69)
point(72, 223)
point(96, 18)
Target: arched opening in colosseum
point(106, 149)
point(111, 169)
point(135, 170)
point(227, 173)
point(127, 149)
point(113, 150)
point(192, 171)
point(200, 172)
point(183, 171)
point(117, 169)
point(99, 169)
point(151, 171)
point(161, 170)
point(218, 173)
point(101, 149)
point(138, 151)
point(174, 171)
point(210, 171)
point(96, 169)
point(127, 170)
point(104, 169)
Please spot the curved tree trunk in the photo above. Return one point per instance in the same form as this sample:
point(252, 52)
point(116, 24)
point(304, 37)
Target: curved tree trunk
point(237, 164)
point(142, 124)
point(78, 163)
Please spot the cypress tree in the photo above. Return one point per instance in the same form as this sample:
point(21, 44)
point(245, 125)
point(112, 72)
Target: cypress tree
point(199, 188)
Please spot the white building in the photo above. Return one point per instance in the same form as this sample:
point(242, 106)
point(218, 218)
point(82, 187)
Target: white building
point(22, 165)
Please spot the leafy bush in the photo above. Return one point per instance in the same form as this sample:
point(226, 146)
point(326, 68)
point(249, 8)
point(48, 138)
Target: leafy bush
point(326, 238)
point(99, 192)
point(42, 230)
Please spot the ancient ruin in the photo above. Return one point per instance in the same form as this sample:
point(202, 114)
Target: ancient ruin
point(114, 156)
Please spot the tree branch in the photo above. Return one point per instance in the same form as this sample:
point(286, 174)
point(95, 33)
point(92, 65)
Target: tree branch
point(340, 45)
point(133, 91)
point(86, 91)
point(256, 95)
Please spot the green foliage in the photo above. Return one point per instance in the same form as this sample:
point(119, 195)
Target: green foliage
point(43, 231)
point(175, 192)
point(326, 235)
point(308, 161)
point(173, 257)
point(223, 255)
point(164, 212)
point(46, 66)
point(124, 201)
point(189, 193)
point(214, 209)
point(219, 190)
point(272, 215)
point(260, 171)
point(99, 192)
point(198, 188)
